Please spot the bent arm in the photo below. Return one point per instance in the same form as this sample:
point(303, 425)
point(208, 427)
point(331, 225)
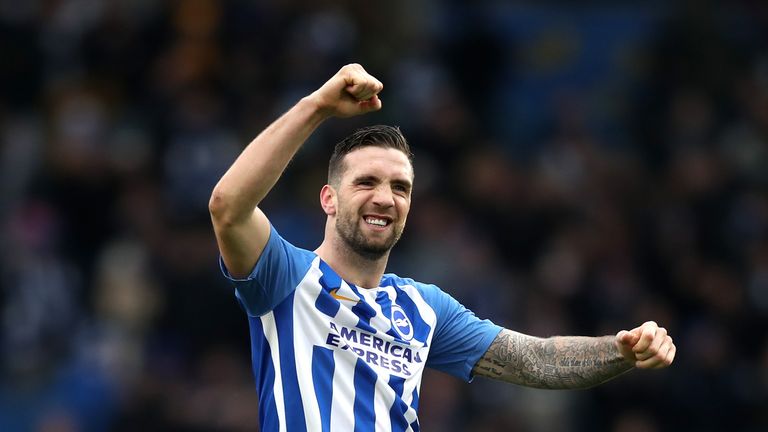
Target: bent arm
point(242, 230)
point(560, 362)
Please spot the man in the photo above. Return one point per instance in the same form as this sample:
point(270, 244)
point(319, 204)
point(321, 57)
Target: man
point(337, 344)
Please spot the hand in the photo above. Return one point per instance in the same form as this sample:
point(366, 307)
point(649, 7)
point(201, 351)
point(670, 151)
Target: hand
point(647, 346)
point(352, 91)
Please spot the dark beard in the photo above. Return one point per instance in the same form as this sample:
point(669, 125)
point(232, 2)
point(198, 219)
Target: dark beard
point(354, 238)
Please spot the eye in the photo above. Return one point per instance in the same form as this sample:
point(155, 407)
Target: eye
point(401, 189)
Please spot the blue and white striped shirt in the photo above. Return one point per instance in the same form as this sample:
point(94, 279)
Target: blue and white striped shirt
point(329, 356)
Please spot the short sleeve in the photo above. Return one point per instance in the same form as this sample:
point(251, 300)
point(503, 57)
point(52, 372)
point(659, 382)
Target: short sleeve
point(460, 337)
point(276, 274)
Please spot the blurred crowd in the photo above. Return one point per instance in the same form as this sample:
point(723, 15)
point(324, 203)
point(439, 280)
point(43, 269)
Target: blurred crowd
point(579, 170)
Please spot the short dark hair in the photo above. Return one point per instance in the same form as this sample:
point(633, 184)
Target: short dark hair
point(376, 136)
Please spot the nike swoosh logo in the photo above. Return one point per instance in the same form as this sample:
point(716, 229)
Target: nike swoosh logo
point(335, 294)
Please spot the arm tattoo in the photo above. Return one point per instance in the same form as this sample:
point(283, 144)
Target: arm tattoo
point(560, 362)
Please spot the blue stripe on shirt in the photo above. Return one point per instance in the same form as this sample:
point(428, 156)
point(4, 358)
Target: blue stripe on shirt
point(415, 425)
point(323, 366)
point(365, 388)
point(325, 303)
point(330, 278)
point(294, 409)
point(398, 409)
point(264, 371)
point(364, 312)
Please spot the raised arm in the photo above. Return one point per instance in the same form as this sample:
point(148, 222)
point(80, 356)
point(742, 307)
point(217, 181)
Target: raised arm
point(242, 230)
point(572, 362)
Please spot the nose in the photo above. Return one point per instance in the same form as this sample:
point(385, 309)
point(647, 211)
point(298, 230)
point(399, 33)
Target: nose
point(382, 197)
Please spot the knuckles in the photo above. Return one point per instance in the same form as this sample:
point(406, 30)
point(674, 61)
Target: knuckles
point(655, 348)
point(351, 67)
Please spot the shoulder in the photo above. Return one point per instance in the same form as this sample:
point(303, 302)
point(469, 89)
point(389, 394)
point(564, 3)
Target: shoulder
point(391, 279)
point(278, 271)
point(283, 247)
point(429, 292)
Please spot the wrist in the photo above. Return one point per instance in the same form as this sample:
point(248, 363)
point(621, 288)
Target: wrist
point(317, 109)
point(624, 352)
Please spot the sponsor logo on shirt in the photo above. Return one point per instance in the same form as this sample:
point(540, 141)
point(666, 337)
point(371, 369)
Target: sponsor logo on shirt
point(335, 294)
point(393, 357)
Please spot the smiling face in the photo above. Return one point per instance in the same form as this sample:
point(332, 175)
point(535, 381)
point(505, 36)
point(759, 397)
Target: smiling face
point(373, 198)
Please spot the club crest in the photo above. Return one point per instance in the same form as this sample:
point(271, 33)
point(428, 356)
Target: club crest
point(401, 323)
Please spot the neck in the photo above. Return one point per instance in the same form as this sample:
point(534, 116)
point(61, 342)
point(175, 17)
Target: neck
point(351, 266)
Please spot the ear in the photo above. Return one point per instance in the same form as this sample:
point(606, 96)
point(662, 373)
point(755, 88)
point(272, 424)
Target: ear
point(328, 200)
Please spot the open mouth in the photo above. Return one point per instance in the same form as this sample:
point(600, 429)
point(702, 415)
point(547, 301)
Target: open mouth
point(377, 221)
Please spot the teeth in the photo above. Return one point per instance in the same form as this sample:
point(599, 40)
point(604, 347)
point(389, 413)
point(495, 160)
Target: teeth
point(375, 221)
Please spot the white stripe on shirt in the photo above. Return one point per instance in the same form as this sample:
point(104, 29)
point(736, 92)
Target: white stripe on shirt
point(342, 410)
point(270, 332)
point(304, 332)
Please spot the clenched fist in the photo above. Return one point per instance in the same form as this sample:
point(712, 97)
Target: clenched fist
point(648, 346)
point(352, 91)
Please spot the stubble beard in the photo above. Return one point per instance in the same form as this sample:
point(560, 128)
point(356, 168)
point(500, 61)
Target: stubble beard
point(350, 232)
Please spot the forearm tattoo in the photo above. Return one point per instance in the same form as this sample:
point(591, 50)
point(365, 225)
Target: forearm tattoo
point(560, 362)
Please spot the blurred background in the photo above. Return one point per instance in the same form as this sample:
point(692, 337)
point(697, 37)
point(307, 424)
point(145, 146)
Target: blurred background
point(579, 170)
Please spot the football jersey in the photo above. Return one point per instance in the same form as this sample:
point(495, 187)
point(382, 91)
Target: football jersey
point(330, 356)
